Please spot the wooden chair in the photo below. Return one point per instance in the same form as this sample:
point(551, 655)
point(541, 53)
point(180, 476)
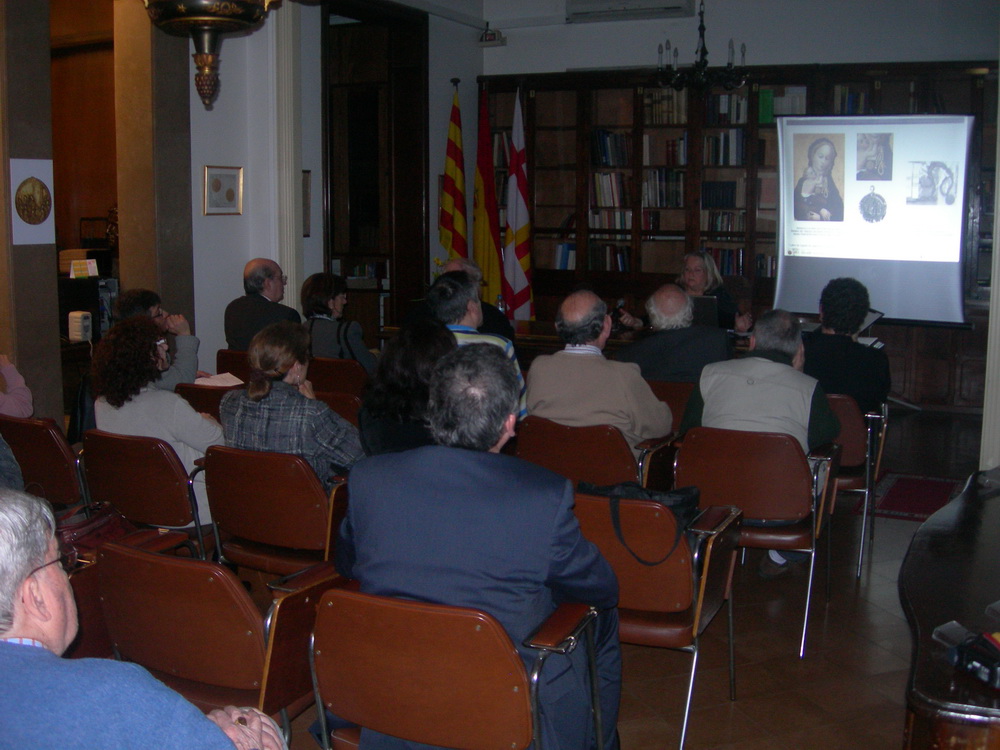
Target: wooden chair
point(339, 375)
point(50, 468)
point(598, 454)
point(204, 398)
point(145, 480)
point(767, 476)
point(668, 605)
point(346, 405)
point(192, 624)
point(233, 362)
point(428, 673)
point(675, 395)
point(862, 438)
point(270, 510)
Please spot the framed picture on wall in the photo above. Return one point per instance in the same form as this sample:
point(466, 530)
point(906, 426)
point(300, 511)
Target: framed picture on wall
point(223, 191)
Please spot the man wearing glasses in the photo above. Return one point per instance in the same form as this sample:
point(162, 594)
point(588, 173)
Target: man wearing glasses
point(264, 284)
point(47, 701)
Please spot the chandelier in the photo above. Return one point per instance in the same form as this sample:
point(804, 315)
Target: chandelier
point(204, 20)
point(699, 76)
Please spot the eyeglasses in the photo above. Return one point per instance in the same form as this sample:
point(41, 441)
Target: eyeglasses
point(284, 279)
point(67, 560)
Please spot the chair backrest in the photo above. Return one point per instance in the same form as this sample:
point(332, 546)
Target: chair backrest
point(346, 405)
point(765, 474)
point(48, 464)
point(675, 395)
point(141, 476)
point(269, 498)
point(598, 454)
point(340, 375)
point(204, 398)
point(234, 362)
point(187, 618)
point(650, 530)
point(853, 437)
point(426, 673)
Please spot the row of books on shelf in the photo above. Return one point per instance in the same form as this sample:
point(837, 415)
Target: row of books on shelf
point(726, 109)
point(363, 275)
point(663, 188)
point(848, 101)
point(675, 150)
point(725, 149)
point(729, 260)
point(766, 266)
point(723, 221)
point(610, 189)
point(665, 106)
point(611, 257)
point(607, 218)
point(566, 256)
point(724, 193)
point(608, 257)
point(791, 101)
point(610, 149)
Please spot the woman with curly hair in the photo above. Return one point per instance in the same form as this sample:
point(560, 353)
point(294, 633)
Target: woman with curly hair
point(126, 362)
point(279, 412)
point(395, 402)
point(324, 296)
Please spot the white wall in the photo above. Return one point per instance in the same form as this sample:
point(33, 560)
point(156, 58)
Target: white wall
point(312, 135)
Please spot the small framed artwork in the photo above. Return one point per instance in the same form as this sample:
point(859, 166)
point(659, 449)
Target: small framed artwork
point(223, 191)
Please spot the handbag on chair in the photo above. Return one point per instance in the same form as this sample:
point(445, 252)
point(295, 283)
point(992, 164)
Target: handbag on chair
point(88, 528)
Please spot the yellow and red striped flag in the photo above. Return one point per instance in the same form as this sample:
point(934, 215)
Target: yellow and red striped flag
point(517, 239)
point(451, 220)
point(485, 215)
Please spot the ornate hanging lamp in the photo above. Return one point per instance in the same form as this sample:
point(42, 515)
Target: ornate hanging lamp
point(204, 20)
point(699, 75)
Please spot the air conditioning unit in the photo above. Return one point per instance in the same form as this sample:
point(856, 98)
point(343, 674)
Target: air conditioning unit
point(584, 11)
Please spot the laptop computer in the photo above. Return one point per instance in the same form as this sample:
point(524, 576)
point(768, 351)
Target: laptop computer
point(706, 311)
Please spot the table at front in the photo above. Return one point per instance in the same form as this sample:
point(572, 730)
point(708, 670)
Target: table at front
point(952, 572)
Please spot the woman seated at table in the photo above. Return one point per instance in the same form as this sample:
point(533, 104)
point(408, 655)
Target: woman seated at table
point(324, 296)
point(701, 277)
point(395, 402)
point(279, 412)
point(126, 361)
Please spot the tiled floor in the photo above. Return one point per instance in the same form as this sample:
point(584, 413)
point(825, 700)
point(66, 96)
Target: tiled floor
point(848, 692)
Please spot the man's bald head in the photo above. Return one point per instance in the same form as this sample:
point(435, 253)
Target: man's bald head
point(581, 319)
point(263, 276)
point(670, 307)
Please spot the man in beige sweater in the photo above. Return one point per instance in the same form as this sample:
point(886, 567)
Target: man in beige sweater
point(579, 387)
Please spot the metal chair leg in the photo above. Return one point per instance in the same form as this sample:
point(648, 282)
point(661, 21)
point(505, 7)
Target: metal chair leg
point(690, 693)
point(805, 616)
point(732, 649)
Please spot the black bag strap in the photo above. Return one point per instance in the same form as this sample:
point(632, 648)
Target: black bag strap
point(616, 522)
point(342, 340)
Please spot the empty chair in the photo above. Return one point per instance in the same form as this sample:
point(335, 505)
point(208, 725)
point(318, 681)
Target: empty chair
point(204, 399)
point(340, 375)
point(675, 394)
point(767, 476)
point(49, 466)
point(430, 673)
point(597, 454)
point(667, 605)
point(346, 405)
point(271, 511)
point(192, 624)
point(234, 362)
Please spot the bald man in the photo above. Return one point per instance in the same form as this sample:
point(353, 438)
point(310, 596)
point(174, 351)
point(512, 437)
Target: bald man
point(264, 284)
point(677, 350)
point(579, 387)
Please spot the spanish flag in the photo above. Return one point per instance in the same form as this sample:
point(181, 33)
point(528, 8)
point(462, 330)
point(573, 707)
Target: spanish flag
point(451, 223)
point(485, 216)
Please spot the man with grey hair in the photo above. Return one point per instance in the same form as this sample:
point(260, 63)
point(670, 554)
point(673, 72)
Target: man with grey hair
point(578, 387)
point(264, 284)
point(114, 704)
point(462, 524)
point(677, 350)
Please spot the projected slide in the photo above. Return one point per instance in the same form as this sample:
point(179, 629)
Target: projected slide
point(877, 198)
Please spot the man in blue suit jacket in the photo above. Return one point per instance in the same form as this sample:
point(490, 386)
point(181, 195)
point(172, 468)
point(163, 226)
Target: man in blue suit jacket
point(461, 524)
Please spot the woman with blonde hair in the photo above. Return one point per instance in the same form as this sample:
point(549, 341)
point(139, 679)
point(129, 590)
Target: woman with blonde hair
point(701, 277)
point(279, 412)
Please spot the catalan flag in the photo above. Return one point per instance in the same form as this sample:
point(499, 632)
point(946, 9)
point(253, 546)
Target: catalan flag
point(517, 239)
point(485, 215)
point(451, 222)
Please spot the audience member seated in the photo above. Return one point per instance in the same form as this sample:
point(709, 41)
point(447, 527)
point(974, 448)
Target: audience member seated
point(278, 410)
point(677, 350)
point(264, 284)
point(578, 386)
point(393, 413)
point(494, 321)
point(127, 361)
point(701, 277)
point(766, 391)
point(15, 401)
point(833, 355)
point(10, 470)
point(454, 300)
point(324, 296)
point(461, 524)
point(114, 704)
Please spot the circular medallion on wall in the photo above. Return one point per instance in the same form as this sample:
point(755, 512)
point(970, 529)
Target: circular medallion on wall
point(33, 201)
